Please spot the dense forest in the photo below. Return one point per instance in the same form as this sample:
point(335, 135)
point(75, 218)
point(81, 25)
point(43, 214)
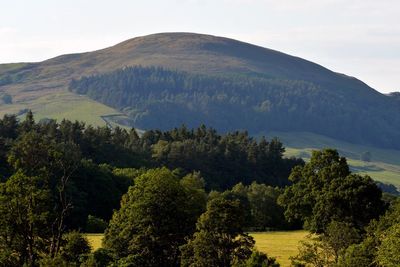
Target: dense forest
point(157, 98)
point(183, 197)
point(105, 161)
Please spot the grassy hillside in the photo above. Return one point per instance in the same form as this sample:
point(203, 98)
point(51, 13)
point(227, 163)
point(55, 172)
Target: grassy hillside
point(11, 66)
point(155, 97)
point(384, 165)
point(63, 105)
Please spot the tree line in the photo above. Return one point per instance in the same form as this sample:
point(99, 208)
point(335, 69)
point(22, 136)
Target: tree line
point(216, 156)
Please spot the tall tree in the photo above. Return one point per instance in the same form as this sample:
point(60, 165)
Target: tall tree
point(35, 154)
point(26, 204)
point(265, 210)
point(66, 159)
point(380, 245)
point(153, 221)
point(324, 190)
point(219, 240)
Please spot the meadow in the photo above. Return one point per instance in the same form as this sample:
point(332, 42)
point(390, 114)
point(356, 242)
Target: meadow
point(280, 244)
point(94, 240)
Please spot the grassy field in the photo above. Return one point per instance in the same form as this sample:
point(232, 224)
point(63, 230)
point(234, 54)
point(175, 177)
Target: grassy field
point(94, 240)
point(64, 105)
point(72, 107)
point(280, 245)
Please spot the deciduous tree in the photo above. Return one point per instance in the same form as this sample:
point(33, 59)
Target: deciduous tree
point(324, 190)
point(219, 240)
point(153, 221)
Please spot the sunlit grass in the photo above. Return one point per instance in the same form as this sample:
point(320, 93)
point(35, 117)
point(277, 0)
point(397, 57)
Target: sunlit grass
point(94, 240)
point(281, 245)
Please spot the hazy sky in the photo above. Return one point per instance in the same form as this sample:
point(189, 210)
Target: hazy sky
point(358, 37)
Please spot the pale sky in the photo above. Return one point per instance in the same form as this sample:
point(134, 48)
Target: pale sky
point(360, 38)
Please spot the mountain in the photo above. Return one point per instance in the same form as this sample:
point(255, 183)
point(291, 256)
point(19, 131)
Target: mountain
point(163, 80)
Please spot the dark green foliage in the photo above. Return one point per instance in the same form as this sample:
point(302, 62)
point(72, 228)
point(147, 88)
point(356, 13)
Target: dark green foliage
point(389, 250)
point(328, 248)
point(8, 257)
point(75, 247)
point(379, 248)
point(25, 219)
point(159, 98)
point(98, 189)
point(380, 245)
point(97, 182)
point(339, 236)
point(54, 175)
point(223, 160)
point(238, 193)
point(58, 261)
point(8, 132)
point(344, 246)
point(391, 217)
point(359, 255)
point(324, 190)
point(259, 259)
point(265, 212)
point(128, 174)
point(313, 252)
point(219, 239)
point(155, 216)
point(8, 127)
point(95, 225)
point(100, 258)
point(37, 155)
point(356, 200)
point(194, 186)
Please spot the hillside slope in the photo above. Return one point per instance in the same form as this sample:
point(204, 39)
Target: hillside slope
point(184, 51)
point(288, 93)
point(161, 98)
point(383, 165)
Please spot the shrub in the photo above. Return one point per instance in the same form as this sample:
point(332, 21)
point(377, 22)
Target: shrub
point(76, 246)
point(260, 259)
point(95, 225)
